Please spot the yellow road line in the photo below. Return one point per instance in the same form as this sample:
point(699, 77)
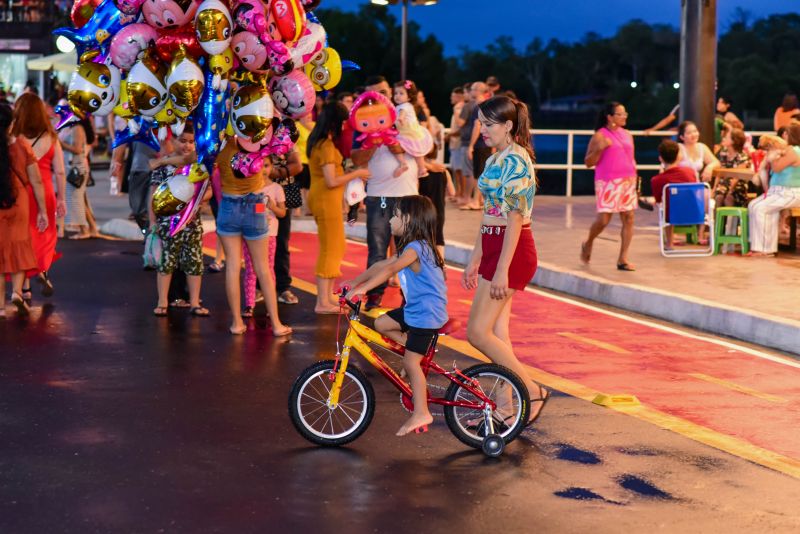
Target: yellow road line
point(348, 263)
point(712, 438)
point(465, 301)
point(594, 342)
point(739, 388)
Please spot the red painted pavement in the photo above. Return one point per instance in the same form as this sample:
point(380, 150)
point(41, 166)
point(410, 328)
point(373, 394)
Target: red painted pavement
point(656, 369)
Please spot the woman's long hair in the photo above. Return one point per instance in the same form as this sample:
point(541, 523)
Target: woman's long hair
point(329, 123)
point(7, 190)
point(500, 109)
point(30, 117)
point(602, 117)
point(420, 225)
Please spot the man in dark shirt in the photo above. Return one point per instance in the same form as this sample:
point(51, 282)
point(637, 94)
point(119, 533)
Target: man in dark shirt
point(673, 173)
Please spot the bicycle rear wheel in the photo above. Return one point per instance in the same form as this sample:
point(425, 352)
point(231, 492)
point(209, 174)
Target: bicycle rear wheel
point(322, 425)
point(501, 385)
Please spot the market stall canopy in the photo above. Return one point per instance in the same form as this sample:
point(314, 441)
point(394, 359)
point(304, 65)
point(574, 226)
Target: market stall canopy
point(63, 62)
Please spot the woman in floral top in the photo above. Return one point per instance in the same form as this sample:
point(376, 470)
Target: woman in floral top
point(729, 191)
point(504, 258)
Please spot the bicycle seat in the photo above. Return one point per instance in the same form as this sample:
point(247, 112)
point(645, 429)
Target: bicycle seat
point(451, 326)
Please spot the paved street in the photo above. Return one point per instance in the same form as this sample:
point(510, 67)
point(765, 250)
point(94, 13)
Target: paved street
point(117, 421)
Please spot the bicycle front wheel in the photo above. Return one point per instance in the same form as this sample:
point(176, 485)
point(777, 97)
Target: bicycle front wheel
point(315, 420)
point(502, 386)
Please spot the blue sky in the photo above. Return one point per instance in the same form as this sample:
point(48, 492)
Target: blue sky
point(453, 21)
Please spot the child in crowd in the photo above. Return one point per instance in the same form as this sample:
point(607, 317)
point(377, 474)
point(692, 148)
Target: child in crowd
point(183, 251)
point(421, 271)
point(730, 191)
point(275, 207)
point(673, 173)
point(415, 140)
point(436, 186)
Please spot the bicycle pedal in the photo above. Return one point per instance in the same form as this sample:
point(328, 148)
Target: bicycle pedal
point(421, 429)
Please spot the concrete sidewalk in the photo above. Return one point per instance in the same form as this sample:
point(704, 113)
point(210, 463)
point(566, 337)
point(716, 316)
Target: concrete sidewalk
point(752, 299)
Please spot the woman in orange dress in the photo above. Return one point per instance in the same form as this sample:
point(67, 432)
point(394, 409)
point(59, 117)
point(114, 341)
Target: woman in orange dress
point(18, 168)
point(32, 124)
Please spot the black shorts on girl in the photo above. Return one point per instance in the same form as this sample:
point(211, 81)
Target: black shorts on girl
point(419, 340)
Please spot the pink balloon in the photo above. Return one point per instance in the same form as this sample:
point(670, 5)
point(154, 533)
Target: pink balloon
point(129, 7)
point(164, 14)
point(251, 51)
point(293, 94)
point(129, 43)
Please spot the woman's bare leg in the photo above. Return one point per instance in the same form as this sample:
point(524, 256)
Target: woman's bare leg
point(260, 255)
point(233, 252)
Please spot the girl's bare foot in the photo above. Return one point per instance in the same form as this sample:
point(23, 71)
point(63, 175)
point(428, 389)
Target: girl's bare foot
point(280, 330)
point(326, 310)
point(415, 423)
point(400, 170)
point(238, 329)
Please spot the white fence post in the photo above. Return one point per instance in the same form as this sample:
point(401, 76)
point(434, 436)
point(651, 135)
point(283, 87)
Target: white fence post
point(570, 161)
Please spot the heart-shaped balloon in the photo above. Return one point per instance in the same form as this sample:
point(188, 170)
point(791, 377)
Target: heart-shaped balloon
point(170, 41)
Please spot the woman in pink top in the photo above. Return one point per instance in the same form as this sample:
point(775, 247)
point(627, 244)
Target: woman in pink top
point(610, 152)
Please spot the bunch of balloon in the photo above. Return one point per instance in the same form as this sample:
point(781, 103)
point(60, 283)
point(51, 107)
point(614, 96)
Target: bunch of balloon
point(241, 70)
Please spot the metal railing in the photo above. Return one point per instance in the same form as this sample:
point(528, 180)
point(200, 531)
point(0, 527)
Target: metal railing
point(570, 165)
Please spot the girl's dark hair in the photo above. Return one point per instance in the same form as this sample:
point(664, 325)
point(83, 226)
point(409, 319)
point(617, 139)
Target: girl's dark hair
point(7, 190)
point(790, 102)
point(682, 128)
point(602, 117)
point(88, 129)
point(413, 92)
point(500, 109)
point(329, 122)
point(420, 226)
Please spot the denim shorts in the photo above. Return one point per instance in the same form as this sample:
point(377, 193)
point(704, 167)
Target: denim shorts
point(241, 216)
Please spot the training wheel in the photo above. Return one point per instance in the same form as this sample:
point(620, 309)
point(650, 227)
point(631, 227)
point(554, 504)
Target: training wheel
point(493, 445)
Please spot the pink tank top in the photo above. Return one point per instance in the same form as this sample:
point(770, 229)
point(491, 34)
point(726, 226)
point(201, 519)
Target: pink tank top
point(616, 161)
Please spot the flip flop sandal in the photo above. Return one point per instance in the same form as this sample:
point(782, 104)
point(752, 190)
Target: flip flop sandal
point(199, 311)
point(216, 267)
point(160, 311)
point(586, 257)
point(625, 267)
point(247, 312)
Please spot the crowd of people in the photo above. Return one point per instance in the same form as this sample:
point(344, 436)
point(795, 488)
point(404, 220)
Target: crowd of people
point(767, 184)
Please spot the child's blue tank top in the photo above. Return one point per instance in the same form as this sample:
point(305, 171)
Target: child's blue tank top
point(425, 291)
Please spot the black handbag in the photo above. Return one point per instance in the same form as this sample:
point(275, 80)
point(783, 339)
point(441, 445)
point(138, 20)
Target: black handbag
point(75, 178)
point(291, 191)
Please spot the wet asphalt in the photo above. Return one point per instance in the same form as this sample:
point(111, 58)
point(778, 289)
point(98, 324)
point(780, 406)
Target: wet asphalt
point(113, 420)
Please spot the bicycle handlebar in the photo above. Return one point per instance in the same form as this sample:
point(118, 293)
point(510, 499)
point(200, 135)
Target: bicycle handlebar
point(354, 305)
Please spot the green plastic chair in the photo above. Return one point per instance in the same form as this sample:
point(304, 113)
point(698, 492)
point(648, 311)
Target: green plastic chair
point(689, 231)
point(741, 235)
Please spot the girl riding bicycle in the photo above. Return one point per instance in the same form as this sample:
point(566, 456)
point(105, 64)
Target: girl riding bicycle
point(420, 269)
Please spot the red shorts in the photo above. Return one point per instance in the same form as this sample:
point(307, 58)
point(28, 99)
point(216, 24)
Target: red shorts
point(523, 264)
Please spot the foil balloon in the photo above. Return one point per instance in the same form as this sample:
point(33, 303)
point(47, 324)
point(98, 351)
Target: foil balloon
point(104, 23)
point(66, 116)
point(170, 41)
point(180, 221)
point(94, 87)
point(163, 14)
point(251, 15)
point(168, 117)
point(284, 137)
point(325, 69)
point(309, 45)
point(172, 196)
point(251, 51)
point(147, 89)
point(185, 83)
point(82, 11)
point(142, 133)
point(130, 7)
point(251, 113)
point(289, 18)
point(214, 28)
point(293, 94)
point(210, 121)
point(130, 43)
point(373, 117)
point(123, 108)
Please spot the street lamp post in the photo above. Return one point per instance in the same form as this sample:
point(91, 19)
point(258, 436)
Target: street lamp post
point(404, 27)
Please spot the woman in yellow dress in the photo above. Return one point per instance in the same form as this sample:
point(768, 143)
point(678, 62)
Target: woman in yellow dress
point(325, 198)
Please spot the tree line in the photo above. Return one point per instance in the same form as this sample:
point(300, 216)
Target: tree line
point(757, 64)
